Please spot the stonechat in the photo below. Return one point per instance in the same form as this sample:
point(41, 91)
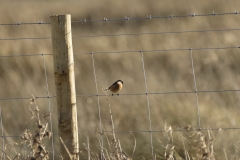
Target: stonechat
point(116, 87)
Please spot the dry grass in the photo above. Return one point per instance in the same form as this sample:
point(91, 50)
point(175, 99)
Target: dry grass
point(31, 145)
point(165, 72)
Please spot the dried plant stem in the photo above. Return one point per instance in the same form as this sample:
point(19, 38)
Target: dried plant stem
point(135, 144)
point(44, 132)
point(88, 149)
point(5, 154)
point(184, 147)
point(69, 154)
point(225, 154)
point(111, 116)
point(113, 142)
point(17, 156)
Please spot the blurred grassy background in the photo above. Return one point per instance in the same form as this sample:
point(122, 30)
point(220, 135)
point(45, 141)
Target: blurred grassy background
point(165, 71)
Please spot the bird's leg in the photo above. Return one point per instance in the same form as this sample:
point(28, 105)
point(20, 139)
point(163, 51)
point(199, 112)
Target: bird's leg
point(112, 94)
point(117, 94)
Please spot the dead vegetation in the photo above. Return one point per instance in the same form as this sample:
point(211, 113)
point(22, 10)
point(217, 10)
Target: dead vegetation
point(196, 144)
point(215, 70)
point(114, 150)
point(33, 140)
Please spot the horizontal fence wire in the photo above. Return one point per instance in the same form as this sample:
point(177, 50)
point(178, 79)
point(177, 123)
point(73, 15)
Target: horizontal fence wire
point(148, 17)
point(146, 131)
point(26, 98)
point(24, 55)
point(22, 38)
point(156, 33)
point(129, 51)
point(24, 23)
point(164, 130)
point(129, 94)
point(125, 34)
point(162, 50)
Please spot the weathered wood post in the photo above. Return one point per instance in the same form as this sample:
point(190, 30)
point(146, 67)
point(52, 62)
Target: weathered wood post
point(65, 84)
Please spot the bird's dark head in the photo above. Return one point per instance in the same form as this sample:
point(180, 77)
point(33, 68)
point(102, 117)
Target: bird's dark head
point(120, 81)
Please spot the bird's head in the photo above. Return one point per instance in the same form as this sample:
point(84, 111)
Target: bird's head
point(119, 81)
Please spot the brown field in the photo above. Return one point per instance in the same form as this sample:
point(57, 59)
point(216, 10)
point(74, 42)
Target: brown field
point(165, 72)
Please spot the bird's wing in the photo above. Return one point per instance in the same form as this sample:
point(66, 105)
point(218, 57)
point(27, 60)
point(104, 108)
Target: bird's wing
point(112, 85)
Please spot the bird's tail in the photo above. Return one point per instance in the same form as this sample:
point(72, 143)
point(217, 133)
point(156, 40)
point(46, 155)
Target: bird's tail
point(106, 89)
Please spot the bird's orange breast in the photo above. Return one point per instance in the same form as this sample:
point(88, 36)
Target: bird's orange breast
point(116, 87)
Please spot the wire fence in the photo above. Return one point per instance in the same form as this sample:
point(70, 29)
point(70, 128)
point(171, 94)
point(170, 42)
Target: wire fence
point(127, 34)
point(149, 17)
point(147, 93)
point(130, 51)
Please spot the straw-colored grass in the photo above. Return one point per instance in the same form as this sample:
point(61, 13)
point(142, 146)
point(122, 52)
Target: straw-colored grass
point(165, 72)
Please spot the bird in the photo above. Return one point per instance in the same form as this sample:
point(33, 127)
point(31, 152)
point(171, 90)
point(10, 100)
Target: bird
point(116, 87)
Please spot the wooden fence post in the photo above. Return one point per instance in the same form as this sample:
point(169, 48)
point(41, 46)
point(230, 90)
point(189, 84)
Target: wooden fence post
point(65, 84)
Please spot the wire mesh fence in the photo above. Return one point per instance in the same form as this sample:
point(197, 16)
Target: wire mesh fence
point(143, 57)
point(148, 17)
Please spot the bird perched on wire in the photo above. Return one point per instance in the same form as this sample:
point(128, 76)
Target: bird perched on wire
point(115, 87)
